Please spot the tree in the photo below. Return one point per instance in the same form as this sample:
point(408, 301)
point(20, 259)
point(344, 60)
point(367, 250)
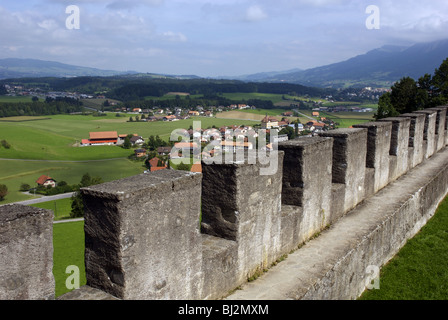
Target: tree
point(25, 187)
point(127, 143)
point(3, 191)
point(440, 84)
point(385, 107)
point(403, 95)
point(288, 131)
point(5, 144)
point(77, 206)
point(77, 203)
point(86, 180)
point(183, 166)
point(3, 90)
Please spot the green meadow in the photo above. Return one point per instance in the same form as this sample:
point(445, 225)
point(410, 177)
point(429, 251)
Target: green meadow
point(68, 246)
point(420, 269)
point(48, 145)
point(15, 172)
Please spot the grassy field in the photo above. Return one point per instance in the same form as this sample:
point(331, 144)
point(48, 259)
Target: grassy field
point(61, 208)
point(68, 244)
point(14, 173)
point(52, 142)
point(55, 138)
point(16, 99)
point(420, 270)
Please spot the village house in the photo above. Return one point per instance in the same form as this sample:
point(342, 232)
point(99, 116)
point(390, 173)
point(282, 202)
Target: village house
point(137, 140)
point(269, 122)
point(46, 181)
point(163, 151)
point(154, 164)
point(140, 153)
point(234, 146)
point(170, 118)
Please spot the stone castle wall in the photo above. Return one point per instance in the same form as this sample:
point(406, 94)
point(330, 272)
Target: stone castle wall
point(179, 235)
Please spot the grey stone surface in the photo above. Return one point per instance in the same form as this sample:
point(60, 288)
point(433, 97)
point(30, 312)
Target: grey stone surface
point(429, 134)
point(241, 205)
point(378, 148)
point(142, 236)
point(26, 251)
point(87, 293)
point(307, 177)
point(440, 126)
point(399, 146)
point(416, 130)
point(220, 266)
point(349, 163)
point(335, 264)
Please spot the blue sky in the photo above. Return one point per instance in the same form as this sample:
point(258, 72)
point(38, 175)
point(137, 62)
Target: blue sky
point(212, 37)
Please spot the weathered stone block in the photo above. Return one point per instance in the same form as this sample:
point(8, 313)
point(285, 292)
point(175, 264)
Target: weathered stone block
point(378, 148)
point(240, 204)
point(349, 163)
point(307, 177)
point(26, 251)
point(429, 132)
point(440, 127)
point(399, 146)
point(416, 132)
point(220, 266)
point(142, 236)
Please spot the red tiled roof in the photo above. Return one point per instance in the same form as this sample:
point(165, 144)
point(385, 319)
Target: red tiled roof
point(197, 167)
point(42, 179)
point(104, 135)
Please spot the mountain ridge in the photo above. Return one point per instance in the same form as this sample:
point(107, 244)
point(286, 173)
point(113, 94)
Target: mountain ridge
point(378, 67)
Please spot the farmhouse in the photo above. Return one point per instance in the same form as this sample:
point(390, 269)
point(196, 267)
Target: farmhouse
point(139, 153)
point(154, 164)
point(136, 140)
point(101, 138)
point(163, 151)
point(269, 122)
point(170, 118)
point(46, 181)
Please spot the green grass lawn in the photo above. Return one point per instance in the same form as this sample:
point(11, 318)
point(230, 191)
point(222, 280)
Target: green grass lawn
point(54, 139)
point(14, 173)
point(420, 270)
point(68, 243)
point(61, 208)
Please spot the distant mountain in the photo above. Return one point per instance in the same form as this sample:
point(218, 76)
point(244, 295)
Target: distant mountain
point(379, 67)
point(24, 68)
point(261, 75)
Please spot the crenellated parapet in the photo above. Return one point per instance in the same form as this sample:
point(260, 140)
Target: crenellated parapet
point(180, 236)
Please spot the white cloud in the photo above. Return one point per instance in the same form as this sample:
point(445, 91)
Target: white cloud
point(255, 13)
point(174, 36)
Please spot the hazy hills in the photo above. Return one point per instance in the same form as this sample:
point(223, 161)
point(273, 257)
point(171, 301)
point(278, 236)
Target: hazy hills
point(24, 68)
point(382, 66)
point(379, 67)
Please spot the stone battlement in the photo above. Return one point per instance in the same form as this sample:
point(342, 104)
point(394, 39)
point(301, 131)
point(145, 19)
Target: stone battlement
point(180, 236)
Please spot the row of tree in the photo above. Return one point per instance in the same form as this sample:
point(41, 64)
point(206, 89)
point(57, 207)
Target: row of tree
point(408, 95)
point(39, 108)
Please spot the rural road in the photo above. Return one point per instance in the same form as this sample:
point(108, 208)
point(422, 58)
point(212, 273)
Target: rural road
point(46, 199)
point(304, 115)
